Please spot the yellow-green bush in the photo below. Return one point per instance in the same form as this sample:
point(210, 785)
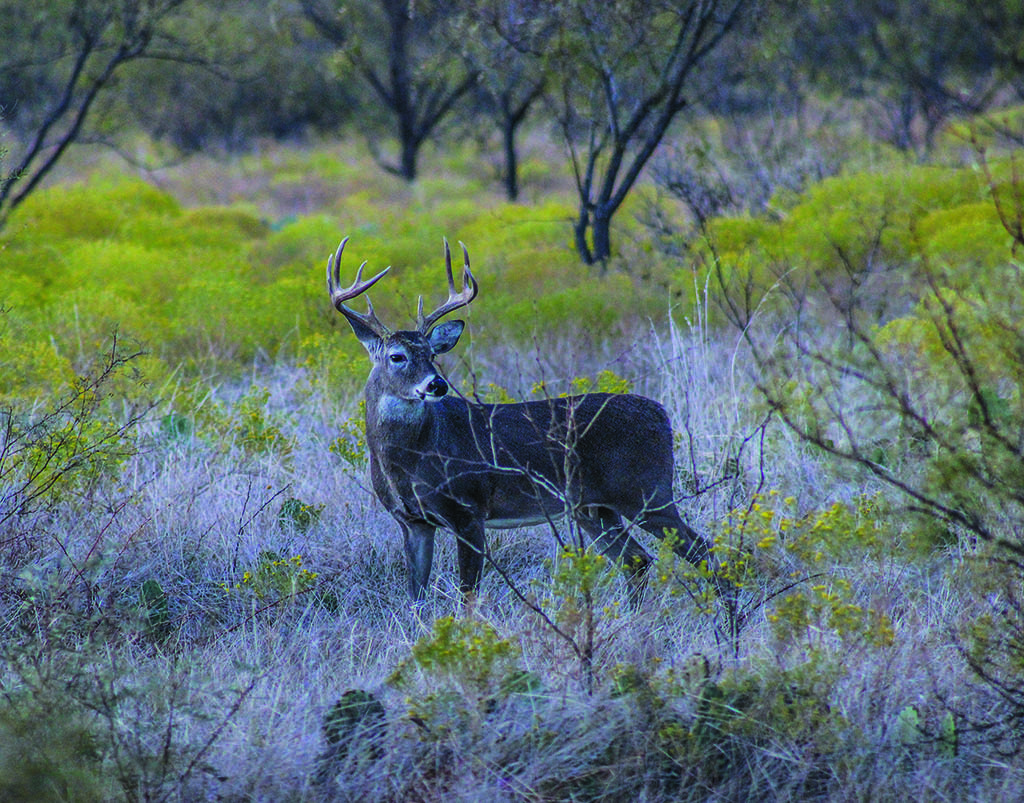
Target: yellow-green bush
point(30, 364)
point(335, 362)
point(274, 579)
point(297, 248)
point(966, 237)
point(99, 208)
point(120, 255)
point(220, 288)
point(862, 219)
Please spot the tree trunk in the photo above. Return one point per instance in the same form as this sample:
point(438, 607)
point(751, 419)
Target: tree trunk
point(511, 160)
point(579, 229)
point(598, 246)
point(602, 223)
point(407, 168)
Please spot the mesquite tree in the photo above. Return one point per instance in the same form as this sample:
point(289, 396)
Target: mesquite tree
point(59, 57)
point(618, 75)
point(397, 48)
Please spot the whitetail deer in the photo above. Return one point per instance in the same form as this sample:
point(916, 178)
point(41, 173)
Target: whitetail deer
point(442, 461)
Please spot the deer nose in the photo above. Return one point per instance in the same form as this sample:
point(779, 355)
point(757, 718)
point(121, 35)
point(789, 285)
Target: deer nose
point(436, 387)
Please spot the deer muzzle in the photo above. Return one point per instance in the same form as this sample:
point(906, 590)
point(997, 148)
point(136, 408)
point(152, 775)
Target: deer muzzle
point(432, 389)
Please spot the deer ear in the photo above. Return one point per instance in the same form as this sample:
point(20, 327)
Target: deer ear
point(366, 335)
point(444, 336)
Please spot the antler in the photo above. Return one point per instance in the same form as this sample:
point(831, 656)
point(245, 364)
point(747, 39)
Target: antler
point(339, 295)
point(455, 300)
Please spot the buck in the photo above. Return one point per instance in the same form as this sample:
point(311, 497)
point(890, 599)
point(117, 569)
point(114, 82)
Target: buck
point(442, 461)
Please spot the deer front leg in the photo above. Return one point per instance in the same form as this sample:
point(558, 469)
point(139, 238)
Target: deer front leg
point(419, 555)
point(471, 549)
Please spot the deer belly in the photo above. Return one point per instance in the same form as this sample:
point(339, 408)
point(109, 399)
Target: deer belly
point(517, 504)
point(510, 521)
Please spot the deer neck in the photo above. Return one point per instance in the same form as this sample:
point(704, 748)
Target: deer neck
point(398, 426)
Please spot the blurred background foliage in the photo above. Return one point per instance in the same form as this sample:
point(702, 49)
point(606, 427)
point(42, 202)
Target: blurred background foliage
point(788, 92)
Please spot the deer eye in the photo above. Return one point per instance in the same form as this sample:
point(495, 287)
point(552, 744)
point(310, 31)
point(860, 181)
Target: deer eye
point(397, 358)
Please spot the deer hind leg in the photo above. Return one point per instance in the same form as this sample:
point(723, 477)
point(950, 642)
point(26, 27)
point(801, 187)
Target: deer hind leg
point(690, 545)
point(613, 539)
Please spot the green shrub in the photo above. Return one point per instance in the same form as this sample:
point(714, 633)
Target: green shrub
point(294, 514)
point(31, 365)
point(50, 751)
point(765, 719)
point(192, 286)
point(66, 450)
point(354, 731)
point(97, 209)
point(255, 429)
point(335, 363)
point(578, 605)
point(589, 307)
point(83, 723)
point(966, 238)
point(860, 222)
point(247, 424)
point(298, 248)
point(154, 605)
point(456, 674)
point(350, 445)
point(274, 579)
point(786, 562)
point(607, 381)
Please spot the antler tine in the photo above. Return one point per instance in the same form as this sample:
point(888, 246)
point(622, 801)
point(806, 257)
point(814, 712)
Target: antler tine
point(455, 300)
point(339, 295)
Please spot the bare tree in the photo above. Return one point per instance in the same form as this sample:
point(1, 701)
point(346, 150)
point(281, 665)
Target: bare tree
point(1003, 21)
point(396, 48)
point(512, 103)
point(58, 59)
point(916, 63)
point(618, 71)
point(491, 34)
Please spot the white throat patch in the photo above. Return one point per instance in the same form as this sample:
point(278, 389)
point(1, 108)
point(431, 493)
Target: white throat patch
point(393, 408)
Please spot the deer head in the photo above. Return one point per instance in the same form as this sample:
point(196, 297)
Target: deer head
point(404, 361)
